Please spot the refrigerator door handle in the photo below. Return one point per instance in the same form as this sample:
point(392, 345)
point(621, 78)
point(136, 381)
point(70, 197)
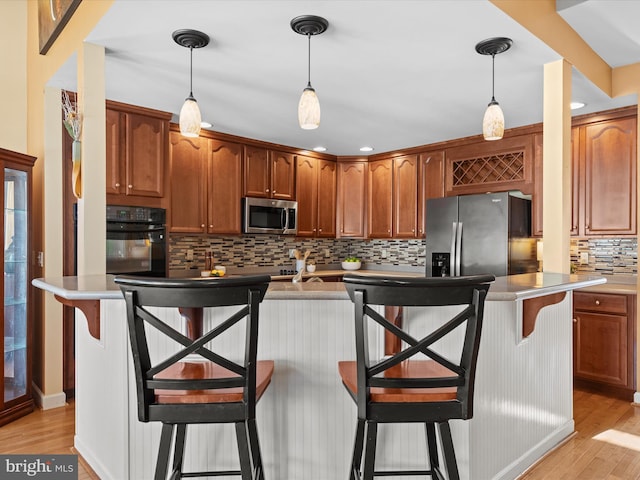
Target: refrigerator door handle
point(452, 255)
point(458, 248)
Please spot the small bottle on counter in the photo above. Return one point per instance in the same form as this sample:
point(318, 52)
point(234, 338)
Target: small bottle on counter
point(208, 261)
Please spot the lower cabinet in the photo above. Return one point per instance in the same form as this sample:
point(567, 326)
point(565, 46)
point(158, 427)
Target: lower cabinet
point(603, 339)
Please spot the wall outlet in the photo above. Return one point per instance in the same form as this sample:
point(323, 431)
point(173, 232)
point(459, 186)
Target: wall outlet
point(383, 254)
point(189, 254)
point(584, 258)
point(327, 253)
point(292, 253)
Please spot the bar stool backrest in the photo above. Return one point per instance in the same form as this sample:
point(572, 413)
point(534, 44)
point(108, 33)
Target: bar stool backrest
point(469, 291)
point(141, 292)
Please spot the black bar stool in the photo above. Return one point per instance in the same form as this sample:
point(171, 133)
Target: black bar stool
point(178, 391)
point(401, 389)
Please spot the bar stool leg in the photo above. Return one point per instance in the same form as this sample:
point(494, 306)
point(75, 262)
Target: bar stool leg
point(370, 451)
point(254, 446)
point(243, 450)
point(356, 459)
point(432, 444)
point(178, 450)
point(164, 450)
point(448, 451)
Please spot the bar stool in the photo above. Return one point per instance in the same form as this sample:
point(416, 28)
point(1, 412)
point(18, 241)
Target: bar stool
point(179, 391)
point(400, 389)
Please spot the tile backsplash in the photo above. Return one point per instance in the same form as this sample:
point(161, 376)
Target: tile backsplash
point(273, 251)
point(605, 256)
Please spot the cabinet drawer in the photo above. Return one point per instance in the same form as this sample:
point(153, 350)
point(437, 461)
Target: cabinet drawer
point(600, 302)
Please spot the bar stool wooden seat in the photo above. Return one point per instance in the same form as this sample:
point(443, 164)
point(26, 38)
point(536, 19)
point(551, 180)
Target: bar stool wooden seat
point(198, 383)
point(415, 384)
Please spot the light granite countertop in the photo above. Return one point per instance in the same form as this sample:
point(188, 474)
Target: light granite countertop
point(620, 284)
point(509, 288)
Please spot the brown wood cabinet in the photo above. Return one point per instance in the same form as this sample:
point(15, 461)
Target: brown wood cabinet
point(206, 185)
point(603, 160)
point(430, 183)
point(351, 199)
point(16, 317)
point(269, 173)
point(380, 199)
point(136, 143)
point(604, 336)
point(316, 196)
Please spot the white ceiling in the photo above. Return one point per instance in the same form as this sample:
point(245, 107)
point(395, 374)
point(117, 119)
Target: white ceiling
point(389, 74)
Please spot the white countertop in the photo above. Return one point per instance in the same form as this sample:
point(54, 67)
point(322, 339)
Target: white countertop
point(512, 287)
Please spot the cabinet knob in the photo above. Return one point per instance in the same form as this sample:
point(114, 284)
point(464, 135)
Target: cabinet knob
point(130, 186)
point(274, 191)
point(210, 226)
point(267, 190)
point(320, 230)
point(202, 226)
point(597, 302)
point(314, 229)
point(413, 230)
point(388, 231)
point(575, 320)
point(117, 185)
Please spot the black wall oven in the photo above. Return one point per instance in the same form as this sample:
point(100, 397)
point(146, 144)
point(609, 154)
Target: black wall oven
point(136, 241)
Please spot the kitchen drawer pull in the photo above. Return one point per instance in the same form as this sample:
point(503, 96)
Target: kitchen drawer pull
point(597, 302)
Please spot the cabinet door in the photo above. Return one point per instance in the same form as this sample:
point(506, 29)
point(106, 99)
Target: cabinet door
point(380, 198)
point(145, 155)
point(326, 198)
point(430, 184)
point(257, 179)
point(600, 347)
point(225, 187)
point(283, 171)
point(307, 195)
point(610, 177)
point(351, 199)
point(405, 196)
point(188, 182)
point(115, 159)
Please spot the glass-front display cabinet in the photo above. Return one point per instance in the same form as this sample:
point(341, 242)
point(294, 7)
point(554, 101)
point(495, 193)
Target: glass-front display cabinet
point(16, 319)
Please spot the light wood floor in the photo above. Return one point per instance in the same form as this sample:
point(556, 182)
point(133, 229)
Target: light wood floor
point(605, 447)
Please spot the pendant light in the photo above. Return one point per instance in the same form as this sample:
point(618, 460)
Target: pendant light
point(190, 119)
point(493, 121)
point(309, 105)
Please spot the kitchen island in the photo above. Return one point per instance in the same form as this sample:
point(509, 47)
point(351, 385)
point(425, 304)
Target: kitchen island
point(306, 420)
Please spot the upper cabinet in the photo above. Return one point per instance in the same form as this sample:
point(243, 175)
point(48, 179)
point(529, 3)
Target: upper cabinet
point(380, 199)
point(316, 196)
point(206, 185)
point(268, 173)
point(351, 199)
point(430, 183)
point(136, 141)
point(603, 175)
point(608, 153)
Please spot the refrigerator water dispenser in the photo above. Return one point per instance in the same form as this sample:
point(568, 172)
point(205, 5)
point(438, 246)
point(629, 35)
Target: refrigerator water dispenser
point(440, 264)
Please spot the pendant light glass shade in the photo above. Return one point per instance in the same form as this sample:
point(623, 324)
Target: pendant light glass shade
point(493, 122)
point(190, 119)
point(309, 109)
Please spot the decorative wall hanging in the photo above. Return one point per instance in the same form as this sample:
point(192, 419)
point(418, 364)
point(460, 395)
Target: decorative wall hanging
point(53, 16)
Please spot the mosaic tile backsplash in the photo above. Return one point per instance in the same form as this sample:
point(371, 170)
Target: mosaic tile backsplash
point(607, 256)
point(273, 251)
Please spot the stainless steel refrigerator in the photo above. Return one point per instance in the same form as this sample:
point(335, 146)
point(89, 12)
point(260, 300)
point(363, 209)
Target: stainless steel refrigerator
point(475, 234)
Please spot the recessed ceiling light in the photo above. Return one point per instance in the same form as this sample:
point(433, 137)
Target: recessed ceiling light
point(205, 125)
point(319, 149)
point(576, 105)
point(366, 149)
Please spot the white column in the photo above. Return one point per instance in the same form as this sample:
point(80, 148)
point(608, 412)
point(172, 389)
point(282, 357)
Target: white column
point(556, 152)
point(91, 207)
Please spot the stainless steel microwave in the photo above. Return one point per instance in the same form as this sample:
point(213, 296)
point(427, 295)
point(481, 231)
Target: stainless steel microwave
point(265, 215)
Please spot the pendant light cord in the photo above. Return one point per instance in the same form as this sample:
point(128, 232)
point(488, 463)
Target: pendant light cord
point(309, 61)
point(191, 72)
point(493, 77)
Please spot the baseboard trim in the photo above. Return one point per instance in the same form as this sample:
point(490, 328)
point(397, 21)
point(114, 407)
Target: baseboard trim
point(47, 402)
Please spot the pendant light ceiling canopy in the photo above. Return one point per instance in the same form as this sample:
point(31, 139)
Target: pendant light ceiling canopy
point(309, 105)
point(493, 121)
point(190, 118)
